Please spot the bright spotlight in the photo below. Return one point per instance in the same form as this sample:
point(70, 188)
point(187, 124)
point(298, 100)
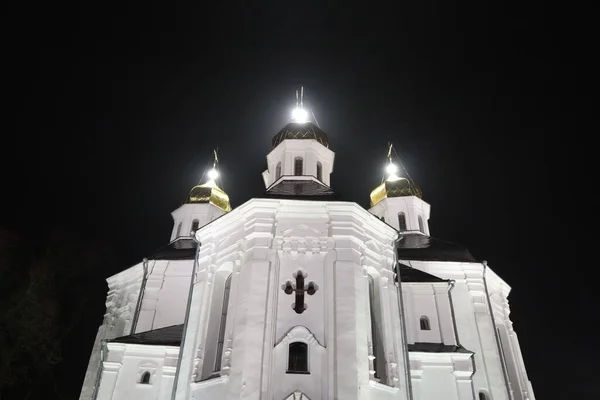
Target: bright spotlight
point(300, 115)
point(391, 168)
point(212, 174)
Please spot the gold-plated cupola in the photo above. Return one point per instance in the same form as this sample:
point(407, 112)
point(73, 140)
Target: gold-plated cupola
point(394, 186)
point(210, 192)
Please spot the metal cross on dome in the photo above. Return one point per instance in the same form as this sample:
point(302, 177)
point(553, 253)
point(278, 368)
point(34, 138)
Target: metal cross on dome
point(300, 289)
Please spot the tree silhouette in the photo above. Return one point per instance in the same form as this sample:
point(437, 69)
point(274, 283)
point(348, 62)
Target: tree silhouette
point(46, 288)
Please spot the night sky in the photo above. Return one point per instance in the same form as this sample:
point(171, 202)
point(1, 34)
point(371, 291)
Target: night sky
point(119, 107)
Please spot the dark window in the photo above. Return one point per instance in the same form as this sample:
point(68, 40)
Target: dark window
point(482, 396)
point(145, 378)
point(298, 166)
point(278, 171)
point(223, 323)
point(319, 171)
point(298, 358)
point(195, 224)
point(402, 221)
point(421, 228)
point(425, 324)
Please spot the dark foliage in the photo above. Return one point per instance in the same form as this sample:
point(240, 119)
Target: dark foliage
point(45, 286)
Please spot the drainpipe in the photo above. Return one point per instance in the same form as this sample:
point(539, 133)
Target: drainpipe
point(403, 323)
point(498, 343)
point(99, 372)
point(187, 317)
point(138, 306)
point(451, 283)
point(450, 287)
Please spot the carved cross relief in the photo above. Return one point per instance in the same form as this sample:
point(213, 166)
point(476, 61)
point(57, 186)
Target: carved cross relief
point(299, 288)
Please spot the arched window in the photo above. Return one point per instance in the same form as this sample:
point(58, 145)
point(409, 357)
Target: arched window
point(382, 218)
point(178, 230)
point(223, 322)
point(482, 395)
point(401, 221)
point(376, 331)
point(195, 224)
point(421, 228)
point(278, 171)
point(297, 358)
point(145, 378)
point(298, 166)
point(320, 171)
point(425, 323)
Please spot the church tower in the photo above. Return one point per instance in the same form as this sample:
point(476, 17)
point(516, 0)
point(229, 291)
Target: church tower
point(398, 201)
point(294, 295)
point(300, 161)
point(206, 202)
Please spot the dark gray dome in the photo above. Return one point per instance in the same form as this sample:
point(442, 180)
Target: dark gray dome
point(297, 130)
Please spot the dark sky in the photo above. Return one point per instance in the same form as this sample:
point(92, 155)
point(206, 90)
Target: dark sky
point(118, 108)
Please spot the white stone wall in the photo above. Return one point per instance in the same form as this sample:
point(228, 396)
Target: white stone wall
point(123, 293)
point(476, 328)
point(262, 243)
point(520, 385)
point(184, 216)
point(124, 366)
point(437, 376)
point(310, 151)
point(432, 301)
point(165, 294)
point(411, 206)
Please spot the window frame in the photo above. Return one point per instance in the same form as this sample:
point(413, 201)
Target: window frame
point(402, 227)
point(319, 171)
point(424, 323)
point(304, 346)
point(298, 163)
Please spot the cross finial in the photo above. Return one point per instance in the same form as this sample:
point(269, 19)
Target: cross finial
point(216, 161)
point(299, 288)
point(389, 154)
point(299, 114)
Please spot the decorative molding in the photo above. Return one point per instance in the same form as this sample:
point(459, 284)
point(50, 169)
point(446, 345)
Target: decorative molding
point(298, 333)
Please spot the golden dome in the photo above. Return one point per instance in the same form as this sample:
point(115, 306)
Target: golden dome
point(394, 186)
point(209, 192)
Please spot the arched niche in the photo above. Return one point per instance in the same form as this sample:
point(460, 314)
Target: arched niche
point(216, 330)
point(307, 384)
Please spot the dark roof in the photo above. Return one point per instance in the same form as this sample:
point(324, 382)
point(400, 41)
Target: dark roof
point(409, 274)
point(415, 246)
point(296, 130)
point(307, 189)
point(167, 336)
point(179, 249)
point(437, 348)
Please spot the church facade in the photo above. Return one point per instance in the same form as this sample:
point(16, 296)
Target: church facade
point(299, 295)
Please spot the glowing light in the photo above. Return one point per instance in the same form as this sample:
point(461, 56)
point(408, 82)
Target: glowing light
point(212, 174)
point(299, 115)
point(391, 168)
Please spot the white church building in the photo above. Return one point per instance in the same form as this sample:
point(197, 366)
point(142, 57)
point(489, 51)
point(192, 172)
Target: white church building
point(299, 295)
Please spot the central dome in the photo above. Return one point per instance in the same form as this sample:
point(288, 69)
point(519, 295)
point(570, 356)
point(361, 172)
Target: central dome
point(297, 130)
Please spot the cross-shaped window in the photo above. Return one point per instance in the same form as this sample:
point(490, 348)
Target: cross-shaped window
point(300, 289)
